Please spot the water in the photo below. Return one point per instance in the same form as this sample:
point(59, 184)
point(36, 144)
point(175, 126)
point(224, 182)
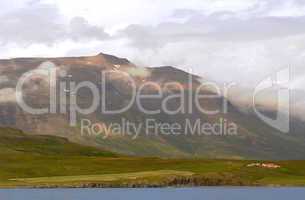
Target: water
point(210, 193)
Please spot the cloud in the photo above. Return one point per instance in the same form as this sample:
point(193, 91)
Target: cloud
point(245, 62)
point(222, 40)
point(138, 72)
point(223, 46)
point(80, 29)
point(39, 23)
point(216, 27)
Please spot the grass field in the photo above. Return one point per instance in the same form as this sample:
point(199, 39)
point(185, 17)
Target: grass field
point(43, 161)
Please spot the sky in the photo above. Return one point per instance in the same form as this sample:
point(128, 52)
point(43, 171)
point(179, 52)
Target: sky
point(240, 41)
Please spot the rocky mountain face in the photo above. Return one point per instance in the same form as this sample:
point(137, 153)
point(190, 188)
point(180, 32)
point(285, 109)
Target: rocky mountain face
point(180, 130)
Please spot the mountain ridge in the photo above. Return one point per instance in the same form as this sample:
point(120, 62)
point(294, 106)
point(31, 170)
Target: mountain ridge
point(255, 140)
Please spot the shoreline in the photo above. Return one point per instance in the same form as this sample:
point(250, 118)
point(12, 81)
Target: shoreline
point(174, 182)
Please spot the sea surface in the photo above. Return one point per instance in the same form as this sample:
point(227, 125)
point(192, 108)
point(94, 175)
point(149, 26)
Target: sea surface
point(213, 193)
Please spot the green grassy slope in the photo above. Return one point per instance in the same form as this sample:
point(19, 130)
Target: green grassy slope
point(45, 161)
point(15, 142)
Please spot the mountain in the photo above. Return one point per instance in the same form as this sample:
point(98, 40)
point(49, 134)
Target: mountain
point(250, 138)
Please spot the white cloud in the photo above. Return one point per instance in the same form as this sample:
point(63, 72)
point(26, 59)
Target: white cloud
point(44, 24)
point(218, 39)
point(117, 13)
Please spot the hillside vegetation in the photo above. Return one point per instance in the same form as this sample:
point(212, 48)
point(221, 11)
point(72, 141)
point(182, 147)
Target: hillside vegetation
point(47, 161)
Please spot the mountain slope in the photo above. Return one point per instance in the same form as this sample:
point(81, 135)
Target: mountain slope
point(254, 139)
point(15, 142)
